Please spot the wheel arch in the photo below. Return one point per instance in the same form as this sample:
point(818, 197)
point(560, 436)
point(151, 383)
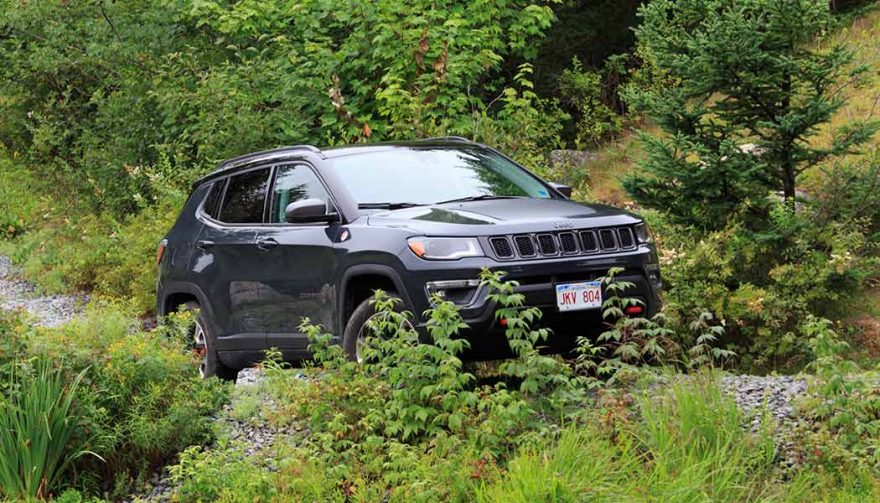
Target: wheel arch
point(177, 295)
point(359, 282)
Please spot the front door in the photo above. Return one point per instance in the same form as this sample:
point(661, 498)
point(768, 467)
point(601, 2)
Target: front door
point(301, 259)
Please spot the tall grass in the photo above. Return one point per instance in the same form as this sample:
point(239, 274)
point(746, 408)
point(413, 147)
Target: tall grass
point(38, 431)
point(695, 446)
point(688, 445)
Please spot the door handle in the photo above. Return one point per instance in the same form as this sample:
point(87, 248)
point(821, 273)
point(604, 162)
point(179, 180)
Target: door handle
point(266, 243)
point(204, 244)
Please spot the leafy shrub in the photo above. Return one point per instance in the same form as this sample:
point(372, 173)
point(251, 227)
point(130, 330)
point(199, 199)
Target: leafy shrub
point(582, 90)
point(141, 398)
point(760, 285)
point(845, 406)
point(40, 431)
point(17, 204)
point(67, 247)
point(410, 422)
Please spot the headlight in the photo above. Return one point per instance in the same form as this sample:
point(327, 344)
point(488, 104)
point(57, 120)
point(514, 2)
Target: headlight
point(643, 234)
point(445, 248)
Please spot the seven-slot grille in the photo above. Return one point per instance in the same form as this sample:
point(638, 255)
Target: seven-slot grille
point(549, 244)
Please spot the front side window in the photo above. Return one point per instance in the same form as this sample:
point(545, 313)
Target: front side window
point(245, 198)
point(295, 183)
point(433, 175)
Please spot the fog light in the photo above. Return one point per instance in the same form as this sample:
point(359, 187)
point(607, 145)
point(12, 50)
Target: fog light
point(459, 292)
point(634, 310)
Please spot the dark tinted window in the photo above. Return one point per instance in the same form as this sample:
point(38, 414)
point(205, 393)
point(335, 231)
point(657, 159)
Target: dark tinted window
point(212, 202)
point(245, 198)
point(292, 184)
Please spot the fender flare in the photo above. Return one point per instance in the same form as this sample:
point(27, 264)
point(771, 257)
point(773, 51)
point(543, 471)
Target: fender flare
point(187, 288)
point(368, 270)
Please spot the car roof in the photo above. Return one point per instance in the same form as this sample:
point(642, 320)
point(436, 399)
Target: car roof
point(279, 154)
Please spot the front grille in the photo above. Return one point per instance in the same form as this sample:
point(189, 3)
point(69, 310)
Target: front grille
point(606, 239)
point(525, 246)
point(550, 244)
point(547, 244)
point(589, 242)
point(625, 237)
point(501, 247)
point(567, 242)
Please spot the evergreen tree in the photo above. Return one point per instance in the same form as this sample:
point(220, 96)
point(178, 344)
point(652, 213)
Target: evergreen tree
point(753, 88)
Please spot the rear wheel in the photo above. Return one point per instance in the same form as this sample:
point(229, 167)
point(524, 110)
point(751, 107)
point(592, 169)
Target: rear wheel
point(203, 346)
point(356, 330)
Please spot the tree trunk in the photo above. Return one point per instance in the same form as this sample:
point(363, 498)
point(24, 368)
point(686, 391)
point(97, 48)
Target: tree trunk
point(788, 187)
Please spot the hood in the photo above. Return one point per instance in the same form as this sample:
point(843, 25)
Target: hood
point(502, 216)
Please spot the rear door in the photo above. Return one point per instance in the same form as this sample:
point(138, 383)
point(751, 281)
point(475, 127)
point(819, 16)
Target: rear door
point(228, 264)
point(300, 260)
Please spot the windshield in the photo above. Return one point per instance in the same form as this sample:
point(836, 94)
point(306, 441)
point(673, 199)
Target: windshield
point(432, 175)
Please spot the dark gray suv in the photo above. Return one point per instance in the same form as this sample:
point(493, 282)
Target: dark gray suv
point(275, 236)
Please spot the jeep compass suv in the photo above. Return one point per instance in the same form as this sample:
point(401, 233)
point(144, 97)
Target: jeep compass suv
point(272, 237)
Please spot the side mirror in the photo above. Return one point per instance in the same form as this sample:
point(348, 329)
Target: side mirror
point(308, 211)
point(563, 189)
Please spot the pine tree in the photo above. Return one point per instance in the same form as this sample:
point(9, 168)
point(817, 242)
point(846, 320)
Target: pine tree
point(753, 88)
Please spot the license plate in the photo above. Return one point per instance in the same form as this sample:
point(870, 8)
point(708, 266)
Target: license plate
point(577, 296)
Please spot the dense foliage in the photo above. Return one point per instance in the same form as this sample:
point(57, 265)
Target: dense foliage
point(96, 93)
point(747, 118)
point(742, 121)
point(114, 404)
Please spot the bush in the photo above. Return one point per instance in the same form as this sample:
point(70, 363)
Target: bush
point(100, 93)
point(583, 91)
point(761, 285)
point(141, 398)
point(68, 247)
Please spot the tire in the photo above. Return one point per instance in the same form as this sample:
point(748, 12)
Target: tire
point(203, 344)
point(357, 321)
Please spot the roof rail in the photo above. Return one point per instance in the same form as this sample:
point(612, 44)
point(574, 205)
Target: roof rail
point(235, 161)
point(448, 138)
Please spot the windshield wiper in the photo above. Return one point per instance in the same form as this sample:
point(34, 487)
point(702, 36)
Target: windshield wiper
point(387, 206)
point(484, 197)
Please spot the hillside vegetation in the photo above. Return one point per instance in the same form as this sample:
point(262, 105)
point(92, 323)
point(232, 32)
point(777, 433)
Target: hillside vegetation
point(744, 131)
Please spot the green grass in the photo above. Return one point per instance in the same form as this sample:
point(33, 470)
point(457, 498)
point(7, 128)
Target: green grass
point(687, 446)
point(39, 431)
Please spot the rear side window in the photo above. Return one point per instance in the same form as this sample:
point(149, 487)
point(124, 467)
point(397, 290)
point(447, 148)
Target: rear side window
point(295, 183)
point(245, 198)
point(212, 202)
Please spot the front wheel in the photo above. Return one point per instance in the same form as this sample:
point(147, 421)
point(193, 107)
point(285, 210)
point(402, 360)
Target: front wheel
point(355, 336)
point(203, 346)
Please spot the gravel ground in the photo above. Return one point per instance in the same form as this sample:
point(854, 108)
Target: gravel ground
point(771, 397)
point(253, 435)
point(17, 294)
point(773, 394)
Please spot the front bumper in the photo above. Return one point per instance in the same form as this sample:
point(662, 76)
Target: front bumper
point(537, 282)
